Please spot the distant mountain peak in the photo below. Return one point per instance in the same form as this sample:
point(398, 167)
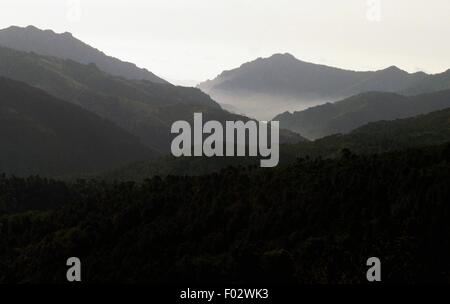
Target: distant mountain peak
point(280, 58)
point(66, 46)
point(33, 30)
point(283, 55)
point(394, 69)
point(67, 34)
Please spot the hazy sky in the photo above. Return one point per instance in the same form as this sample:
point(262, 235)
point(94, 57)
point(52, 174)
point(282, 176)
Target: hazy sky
point(193, 40)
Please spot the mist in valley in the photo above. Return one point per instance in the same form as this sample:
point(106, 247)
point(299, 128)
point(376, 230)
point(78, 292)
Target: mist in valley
point(265, 107)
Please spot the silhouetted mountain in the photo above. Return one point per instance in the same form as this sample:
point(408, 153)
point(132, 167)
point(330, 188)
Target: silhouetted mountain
point(348, 114)
point(40, 134)
point(65, 46)
point(268, 86)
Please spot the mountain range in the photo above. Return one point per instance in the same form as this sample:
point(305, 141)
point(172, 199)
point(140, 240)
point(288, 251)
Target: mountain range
point(267, 87)
point(142, 108)
point(138, 106)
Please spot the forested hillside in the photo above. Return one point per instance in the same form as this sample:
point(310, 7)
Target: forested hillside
point(41, 134)
point(133, 105)
point(316, 221)
point(346, 115)
point(376, 137)
point(145, 109)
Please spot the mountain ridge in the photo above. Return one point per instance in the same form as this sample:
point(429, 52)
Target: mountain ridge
point(66, 46)
point(350, 113)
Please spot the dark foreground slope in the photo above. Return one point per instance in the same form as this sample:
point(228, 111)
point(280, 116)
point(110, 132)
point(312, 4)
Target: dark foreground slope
point(40, 134)
point(316, 221)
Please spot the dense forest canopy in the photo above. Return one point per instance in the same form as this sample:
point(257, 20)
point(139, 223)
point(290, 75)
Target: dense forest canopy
point(315, 221)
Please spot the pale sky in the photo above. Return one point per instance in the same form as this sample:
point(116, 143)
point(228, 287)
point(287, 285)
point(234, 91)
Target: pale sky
point(188, 41)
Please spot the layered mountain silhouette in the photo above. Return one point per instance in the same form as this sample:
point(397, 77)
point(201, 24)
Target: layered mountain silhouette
point(40, 134)
point(373, 181)
point(378, 137)
point(381, 136)
point(138, 106)
point(65, 46)
point(268, 86)
point(351, 113)
point(143, 108)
